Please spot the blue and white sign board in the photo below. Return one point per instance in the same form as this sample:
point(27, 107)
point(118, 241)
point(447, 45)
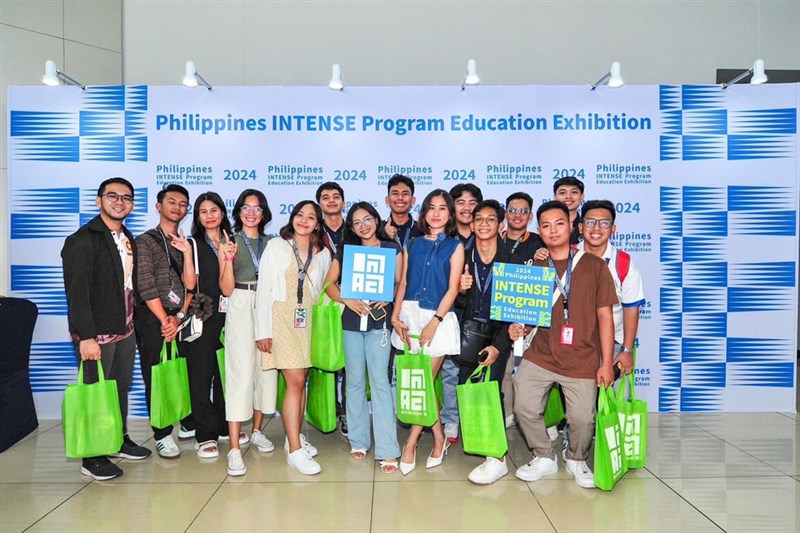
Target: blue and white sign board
point(522, 294)
point(368, 273)
point(705, 183)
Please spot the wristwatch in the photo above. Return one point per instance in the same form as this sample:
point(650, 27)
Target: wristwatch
point(180, 315)
point(626, 349)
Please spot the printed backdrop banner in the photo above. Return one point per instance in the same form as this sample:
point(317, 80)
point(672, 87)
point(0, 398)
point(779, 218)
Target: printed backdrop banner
point(705, 182)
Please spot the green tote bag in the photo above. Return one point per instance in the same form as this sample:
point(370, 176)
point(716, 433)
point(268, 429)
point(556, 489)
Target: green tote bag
point(321, 400)
point(221, 358)
point(609, 455)
point(169, 391)
point(327, 335)
point(416, 396)
point(91, 418)
point(633, 422)
point(483, 430)
point(554, 411)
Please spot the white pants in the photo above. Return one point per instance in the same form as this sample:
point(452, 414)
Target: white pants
point(247, 387)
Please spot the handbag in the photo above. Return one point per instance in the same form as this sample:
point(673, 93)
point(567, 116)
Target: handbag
point(281, 391)
point(191, 327)
point(475, 336)
point(609, 454)
point(483, 429)
point(416, 396)
point(169, 392)
point(327, 335)
point(321, 400)
point(221, 358)
point(554, 411)
point(92, 421)
point(633, 423)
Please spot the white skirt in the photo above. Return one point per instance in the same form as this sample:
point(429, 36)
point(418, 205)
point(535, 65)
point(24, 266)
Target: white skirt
point(446, 340)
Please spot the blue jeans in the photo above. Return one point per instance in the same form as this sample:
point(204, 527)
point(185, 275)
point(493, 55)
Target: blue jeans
point(449, 411)
point(364, 353)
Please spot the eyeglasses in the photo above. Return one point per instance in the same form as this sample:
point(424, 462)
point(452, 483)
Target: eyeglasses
point(252, 209)
point(114, 198)
point(518, 211)
point(366, 221)
point(592, 222)
point(488, 221)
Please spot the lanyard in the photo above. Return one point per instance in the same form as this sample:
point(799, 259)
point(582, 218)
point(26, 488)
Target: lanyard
point(482, 290)
point(407, 227)
point(331, 240)
point(211, 244)
point(564, 288)
point(166, 250)
point(302, 269)
point(470, 241)
point(518, 241)
point(255, 258)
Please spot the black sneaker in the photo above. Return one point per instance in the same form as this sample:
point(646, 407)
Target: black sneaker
point(131, 450)
point(100, 468)
point(343, 425)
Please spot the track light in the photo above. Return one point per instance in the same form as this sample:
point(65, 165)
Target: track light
point(53, 77)
point(191, 78)
point(472, 75)
point(613, 77)
point(336, 78)
point(759, 76)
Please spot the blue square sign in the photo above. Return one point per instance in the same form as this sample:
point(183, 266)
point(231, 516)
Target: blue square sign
point(368, 273)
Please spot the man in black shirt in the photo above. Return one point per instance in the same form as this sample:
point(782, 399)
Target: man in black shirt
point(517, 239)
point(400, 198)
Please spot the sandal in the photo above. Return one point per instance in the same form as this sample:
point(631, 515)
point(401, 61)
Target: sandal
point(359, 454)
point(207, 449)
point(389, 466)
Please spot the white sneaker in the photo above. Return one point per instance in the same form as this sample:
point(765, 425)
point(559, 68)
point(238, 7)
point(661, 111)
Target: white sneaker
point(511, 420)
point(236, 463)
point(261, 442)
point(307, 446)
point(583, 475)
point(451, 431)
point(537, 468)
point(301, 461)
point(185, 434)
point(552, 432)
point(488, 472)
point(167, 448)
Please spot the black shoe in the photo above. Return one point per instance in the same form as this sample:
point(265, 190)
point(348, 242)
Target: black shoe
point(131, 450)
point(100, 468)
point(343, 425)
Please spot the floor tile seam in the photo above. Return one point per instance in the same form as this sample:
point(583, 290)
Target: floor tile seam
point(741, 476)
point(300, 482)
point(755, 457)
point(191, 523)
point(693, 506)
point(547, 516)
point(59, 505)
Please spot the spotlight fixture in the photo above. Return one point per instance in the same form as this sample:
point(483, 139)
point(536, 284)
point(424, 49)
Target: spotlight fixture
point(192, 79)
point(759, 76)
point(472, 75)
point(53, 77)
point(613, 78)
point(336, 78)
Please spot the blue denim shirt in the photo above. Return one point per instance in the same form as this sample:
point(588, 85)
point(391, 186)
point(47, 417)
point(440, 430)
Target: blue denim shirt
point(428, 274)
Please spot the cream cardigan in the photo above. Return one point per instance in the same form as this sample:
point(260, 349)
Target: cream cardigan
point(277, 257)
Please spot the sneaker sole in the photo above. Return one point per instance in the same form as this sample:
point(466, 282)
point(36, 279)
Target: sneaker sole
point(305, 473)
point(265, 449)
point(486, 482)
point(86, 472)
point(169, 456)
point(237, 473)
point(185, 436)
point(130, 457)
point(582, 485)
point(532, 479)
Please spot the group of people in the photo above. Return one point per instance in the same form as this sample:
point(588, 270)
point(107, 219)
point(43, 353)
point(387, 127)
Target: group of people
point(256, 295)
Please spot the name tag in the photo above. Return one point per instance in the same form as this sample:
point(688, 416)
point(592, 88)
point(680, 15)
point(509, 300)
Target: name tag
point(300, 318)
point(223, 304)
point(567, 333)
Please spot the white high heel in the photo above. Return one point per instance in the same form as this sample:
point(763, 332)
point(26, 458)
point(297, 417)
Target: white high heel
point(432, 461)
point(407, 468)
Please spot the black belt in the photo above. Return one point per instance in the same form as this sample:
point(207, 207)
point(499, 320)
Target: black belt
point(246, 286)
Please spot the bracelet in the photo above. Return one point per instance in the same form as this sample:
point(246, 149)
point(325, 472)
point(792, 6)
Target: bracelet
point(439, 318)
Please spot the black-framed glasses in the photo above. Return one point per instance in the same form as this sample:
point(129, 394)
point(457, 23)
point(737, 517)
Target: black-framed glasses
point(113, 197)
point(518, 211)
point(604, 223)
point(489, 221)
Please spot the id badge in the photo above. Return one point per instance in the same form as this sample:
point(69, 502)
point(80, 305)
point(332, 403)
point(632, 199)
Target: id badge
point(567, 332)
point(174, 298)
point(223, 304)
point(300, 316)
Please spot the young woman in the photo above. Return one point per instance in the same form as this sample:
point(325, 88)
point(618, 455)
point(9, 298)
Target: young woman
point(292, 270)
point(250, 391)
point(424, 304)
point(367, 349)
point(209, 224)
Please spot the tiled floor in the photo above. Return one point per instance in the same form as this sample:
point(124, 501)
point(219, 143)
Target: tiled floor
point(705, 472)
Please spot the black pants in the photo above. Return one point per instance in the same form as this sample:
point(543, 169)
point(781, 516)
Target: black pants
point(150, 341)
point(205, 385)
point(496, 373)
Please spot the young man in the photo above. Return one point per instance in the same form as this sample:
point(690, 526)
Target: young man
point(567, 353)
point(597, 227)
point(330, 198)
point(522, 244)
point(165, 276)
point(475, 300)
point(400, 198)
point(99, 275)
point(569, 191)
point(466, 197)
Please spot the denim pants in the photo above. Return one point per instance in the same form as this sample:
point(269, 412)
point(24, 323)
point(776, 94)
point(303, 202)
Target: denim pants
point(450, 370)
point(363, 354)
